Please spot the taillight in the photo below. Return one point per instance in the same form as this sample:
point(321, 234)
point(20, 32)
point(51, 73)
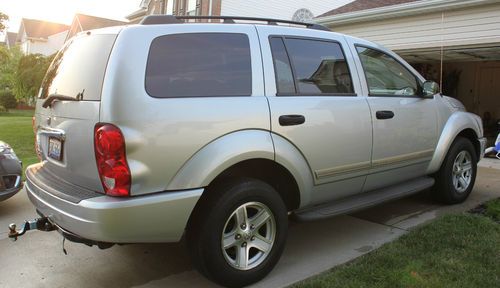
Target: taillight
point(109, 146)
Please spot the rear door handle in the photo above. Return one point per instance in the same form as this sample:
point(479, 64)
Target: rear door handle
point(290, 120)
point(384, 115)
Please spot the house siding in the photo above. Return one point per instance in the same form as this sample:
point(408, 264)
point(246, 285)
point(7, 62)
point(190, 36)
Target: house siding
point(45, 47)
point(56, 41)
point(467, 26)
point(281, 9)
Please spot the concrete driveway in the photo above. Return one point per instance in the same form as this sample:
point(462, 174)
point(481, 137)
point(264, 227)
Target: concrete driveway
point(37, 260)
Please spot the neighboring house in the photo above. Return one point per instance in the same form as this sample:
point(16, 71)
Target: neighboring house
point(10, 39)
point(83, 22)
point(150, 7)
point(299, 10)
point(463, 36)
point(42, 37)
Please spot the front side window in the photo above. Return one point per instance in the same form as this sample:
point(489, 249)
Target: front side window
point(199, 65)
point(385, 75)
point(319, 67)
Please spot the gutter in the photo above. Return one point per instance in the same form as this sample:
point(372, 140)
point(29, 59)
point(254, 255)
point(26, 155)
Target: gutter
point(395, 11)
point(35, 39)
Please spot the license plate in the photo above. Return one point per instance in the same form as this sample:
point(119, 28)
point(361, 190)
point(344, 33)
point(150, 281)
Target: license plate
point(55, 149)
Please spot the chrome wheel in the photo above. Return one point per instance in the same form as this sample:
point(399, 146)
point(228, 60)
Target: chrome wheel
point(462, 171)
point(248, 236)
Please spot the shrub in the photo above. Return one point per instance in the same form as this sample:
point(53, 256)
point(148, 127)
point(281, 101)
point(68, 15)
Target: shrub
point(7, 100)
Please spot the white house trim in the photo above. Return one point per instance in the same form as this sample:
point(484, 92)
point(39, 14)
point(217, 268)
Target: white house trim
point(394, 11)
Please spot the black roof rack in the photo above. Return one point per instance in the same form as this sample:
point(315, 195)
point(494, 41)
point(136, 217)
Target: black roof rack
point(171, 19)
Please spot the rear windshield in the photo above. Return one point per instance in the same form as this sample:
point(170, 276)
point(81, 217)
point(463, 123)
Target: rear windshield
point(78, 69)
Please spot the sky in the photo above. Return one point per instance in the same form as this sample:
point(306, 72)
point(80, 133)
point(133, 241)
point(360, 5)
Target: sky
point(62, 11)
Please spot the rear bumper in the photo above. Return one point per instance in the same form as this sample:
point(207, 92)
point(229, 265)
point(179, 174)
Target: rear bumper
point(160, 217)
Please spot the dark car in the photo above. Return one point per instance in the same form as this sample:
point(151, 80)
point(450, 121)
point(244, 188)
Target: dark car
point(10, 172)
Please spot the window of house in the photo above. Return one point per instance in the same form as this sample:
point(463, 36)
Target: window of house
point(170, 7)
point(385, 75)
point(199, 65)
point(192, 8)
point(319, 67)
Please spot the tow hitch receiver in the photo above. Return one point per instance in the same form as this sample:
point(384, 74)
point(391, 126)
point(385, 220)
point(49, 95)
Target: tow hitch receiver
point(42, 224)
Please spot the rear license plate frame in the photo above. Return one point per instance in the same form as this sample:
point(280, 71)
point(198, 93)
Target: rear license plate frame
point(55, 148)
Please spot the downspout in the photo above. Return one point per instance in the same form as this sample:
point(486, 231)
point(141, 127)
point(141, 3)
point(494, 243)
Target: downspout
point(442, 54)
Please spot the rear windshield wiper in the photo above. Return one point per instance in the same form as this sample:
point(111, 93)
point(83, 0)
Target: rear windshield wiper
point(53, 97)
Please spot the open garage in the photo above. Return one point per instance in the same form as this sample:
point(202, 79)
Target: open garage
point(455, 43)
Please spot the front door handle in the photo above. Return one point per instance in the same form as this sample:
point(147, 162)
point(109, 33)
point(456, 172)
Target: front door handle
point(290, 120)
point(384, 115)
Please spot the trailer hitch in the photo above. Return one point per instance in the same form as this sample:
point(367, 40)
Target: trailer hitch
point(42, 224)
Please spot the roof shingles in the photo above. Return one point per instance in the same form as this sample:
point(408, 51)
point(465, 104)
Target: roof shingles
point(92, 22)
point(42, 29)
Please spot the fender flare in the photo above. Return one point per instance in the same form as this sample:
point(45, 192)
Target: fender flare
point(202, 168)
point(215, 157)
point(458, 122)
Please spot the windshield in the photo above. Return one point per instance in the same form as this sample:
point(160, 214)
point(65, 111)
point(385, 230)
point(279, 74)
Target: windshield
point(78, 69)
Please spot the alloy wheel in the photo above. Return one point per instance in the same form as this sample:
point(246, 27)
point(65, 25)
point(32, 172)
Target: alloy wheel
point(248, 236)
point(462, 171)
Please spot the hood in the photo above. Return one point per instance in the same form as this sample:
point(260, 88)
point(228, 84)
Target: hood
point(455, 104)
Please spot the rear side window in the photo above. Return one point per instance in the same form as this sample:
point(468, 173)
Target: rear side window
point(319, 67)
point(199, 65)
point(78, 69)
point(284, 77)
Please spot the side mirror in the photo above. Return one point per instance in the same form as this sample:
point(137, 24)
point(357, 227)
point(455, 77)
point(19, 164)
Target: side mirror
point(429, 89)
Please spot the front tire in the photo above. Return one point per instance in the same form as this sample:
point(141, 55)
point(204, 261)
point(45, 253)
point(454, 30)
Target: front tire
point(238, 232)
point(456, 177)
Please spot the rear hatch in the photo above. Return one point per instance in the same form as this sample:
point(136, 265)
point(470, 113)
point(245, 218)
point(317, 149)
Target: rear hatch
point(67, 110)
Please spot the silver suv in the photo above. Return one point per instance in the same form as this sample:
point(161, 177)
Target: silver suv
point(219, 131)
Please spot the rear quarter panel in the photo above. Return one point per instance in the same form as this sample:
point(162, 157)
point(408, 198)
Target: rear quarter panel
point(163, 134)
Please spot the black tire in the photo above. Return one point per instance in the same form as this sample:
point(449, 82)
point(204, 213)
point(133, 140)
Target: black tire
point(445, 190)
point(209, 219)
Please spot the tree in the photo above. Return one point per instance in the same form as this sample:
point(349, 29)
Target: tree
point(7, 100)
point(29, 75)
point(9, 60)
point(3, 18)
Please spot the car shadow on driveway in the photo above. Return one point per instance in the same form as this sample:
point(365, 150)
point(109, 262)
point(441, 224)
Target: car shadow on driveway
point(37, 260)
point(43, 263)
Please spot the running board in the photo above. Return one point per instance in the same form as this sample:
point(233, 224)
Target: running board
point(364, 200)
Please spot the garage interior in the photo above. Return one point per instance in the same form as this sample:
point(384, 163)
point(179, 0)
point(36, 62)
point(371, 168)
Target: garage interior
point(470, 74)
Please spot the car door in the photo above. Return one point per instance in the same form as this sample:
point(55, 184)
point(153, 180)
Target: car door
point(404, 122)
point(314, 104)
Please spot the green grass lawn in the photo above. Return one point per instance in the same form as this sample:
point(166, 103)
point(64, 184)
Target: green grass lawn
point(16, 130)
point(493, 209)
point(454, 251)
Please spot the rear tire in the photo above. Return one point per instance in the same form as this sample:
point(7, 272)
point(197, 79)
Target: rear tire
point(456, 177)
point(238, 232)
